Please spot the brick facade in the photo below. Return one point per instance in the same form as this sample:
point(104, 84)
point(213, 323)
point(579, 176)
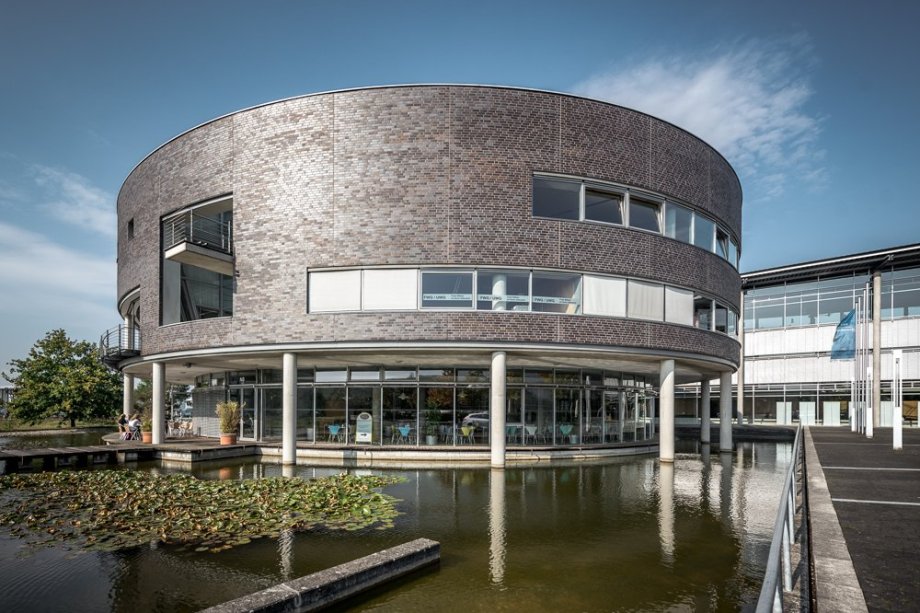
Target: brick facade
point(424, 175)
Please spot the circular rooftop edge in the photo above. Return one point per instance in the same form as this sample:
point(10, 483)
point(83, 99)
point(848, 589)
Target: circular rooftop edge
point(420, 85)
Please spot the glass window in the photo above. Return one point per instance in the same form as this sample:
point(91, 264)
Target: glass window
point(678, 306)
point(305, 375)
point(835, 299)
point(604, 296)
point(569, 377)
point(556, 293)
point(473, 375)
point(334, 291)
point(272, 376)
point(721, 243)
point(538, 377)
point(331, 376)
point(603, 206)
point(732, 323)
point(678, 221)
point(503, 291)
point(389, 289)
point(645, 300)
point(905, 299)
point(703, 232)
point(243, 377)
point(721, 318)
point(643, 214)
point(556, 198)
point(733, 252)
point(447, 290)
point(445, 375)
point(365, 375)
point(702, 312)
point(305, 430)
point(768, 313)
point(801, 304)
point(399, 375)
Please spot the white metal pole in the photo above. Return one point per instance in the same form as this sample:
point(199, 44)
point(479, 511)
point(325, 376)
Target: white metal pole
point(869, 379)
point(897, 399)
point(289, 408)
point(854, 409)
point(497, 410)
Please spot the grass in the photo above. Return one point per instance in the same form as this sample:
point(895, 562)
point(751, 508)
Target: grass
point(11, 424)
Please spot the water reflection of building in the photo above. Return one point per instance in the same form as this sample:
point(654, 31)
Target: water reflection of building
point(456, 266)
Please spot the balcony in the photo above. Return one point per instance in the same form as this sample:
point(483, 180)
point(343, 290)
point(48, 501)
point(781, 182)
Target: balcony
point(199, 240)
point(119, 343)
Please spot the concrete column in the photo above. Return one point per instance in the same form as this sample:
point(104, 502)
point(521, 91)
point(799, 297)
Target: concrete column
point(666, 394)
point(725, 412)
point(497, 409)
point(740, 383)
point(159, 411)
point(876, 348)
point(651, 413)
point(127, 402)
point(705, 425)
point(289, 409)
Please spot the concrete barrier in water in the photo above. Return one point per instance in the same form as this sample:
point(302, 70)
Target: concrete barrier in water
point(330, 586)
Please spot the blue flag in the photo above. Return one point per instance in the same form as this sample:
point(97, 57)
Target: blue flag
point(844, 347)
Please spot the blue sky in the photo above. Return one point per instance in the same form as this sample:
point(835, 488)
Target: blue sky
point(814, 103)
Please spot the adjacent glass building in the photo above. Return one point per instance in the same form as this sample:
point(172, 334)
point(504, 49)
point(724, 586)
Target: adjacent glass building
point(790, 316)
point(432, 267)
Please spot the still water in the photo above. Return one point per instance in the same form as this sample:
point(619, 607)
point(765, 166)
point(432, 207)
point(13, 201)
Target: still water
point(630, 534)
point(69, 438)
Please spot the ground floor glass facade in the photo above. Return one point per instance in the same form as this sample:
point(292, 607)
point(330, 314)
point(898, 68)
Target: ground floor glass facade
point(437, 406)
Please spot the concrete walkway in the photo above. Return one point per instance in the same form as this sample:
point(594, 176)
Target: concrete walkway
point(875, 493)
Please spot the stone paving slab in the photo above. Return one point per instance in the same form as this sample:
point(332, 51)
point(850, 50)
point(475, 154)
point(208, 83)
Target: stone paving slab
point(883, 539)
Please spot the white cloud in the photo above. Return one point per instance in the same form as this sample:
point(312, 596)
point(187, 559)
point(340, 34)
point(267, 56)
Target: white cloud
point(747, 100)
point(44, 285)
point(71, 198)
point(30, 261)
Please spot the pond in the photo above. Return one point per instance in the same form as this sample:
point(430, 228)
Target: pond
point(44, 438)
point(629, 534)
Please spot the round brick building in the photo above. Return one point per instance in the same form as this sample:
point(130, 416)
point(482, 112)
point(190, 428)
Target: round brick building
point(431, 267)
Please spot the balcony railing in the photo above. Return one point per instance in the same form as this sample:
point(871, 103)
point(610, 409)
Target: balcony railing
point(118, 344)
point(199, 230)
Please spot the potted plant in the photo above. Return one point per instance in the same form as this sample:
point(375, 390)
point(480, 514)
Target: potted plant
point(432, 423)
point(229, 415)
point(146, 427)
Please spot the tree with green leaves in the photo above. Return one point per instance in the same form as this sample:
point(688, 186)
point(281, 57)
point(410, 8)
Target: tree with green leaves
point(63, 378)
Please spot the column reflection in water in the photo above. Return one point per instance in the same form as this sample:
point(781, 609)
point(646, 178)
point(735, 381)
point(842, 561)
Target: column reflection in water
point(666, 511)
point(497, 525)
point(286, 553)
point(725, 493)
point(705, 456)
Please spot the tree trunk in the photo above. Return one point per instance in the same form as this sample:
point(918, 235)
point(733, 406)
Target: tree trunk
point(73, 422)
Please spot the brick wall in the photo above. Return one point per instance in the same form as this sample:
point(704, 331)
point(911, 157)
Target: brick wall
point(419, 176)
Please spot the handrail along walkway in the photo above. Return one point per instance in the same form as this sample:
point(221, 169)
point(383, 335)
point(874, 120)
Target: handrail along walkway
point(771, 594)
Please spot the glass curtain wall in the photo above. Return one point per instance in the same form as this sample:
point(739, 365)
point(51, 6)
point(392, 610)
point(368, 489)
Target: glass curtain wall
point(433, 406)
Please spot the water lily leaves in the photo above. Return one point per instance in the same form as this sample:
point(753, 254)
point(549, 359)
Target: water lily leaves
point(114, 509)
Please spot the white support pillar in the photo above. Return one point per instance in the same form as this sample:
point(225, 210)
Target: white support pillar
point(897, 400)
point(651, 413)
point(705, 425)
point(876, 403)
point(159, 412)
point(127, 402)
point(666, 394)
point(497, 410)
point(725, 412)
point(740, 382)
point(289, 409)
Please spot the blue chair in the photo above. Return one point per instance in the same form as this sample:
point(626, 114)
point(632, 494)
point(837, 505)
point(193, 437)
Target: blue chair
point(335, 433)
point(404, 431)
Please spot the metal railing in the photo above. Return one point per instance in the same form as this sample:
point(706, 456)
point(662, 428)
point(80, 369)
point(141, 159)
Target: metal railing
point(119, 343)
point(778, 576)
point(200, 230)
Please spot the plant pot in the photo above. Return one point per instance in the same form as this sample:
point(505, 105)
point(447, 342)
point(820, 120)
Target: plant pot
point(147, 437)
point(431, 439)
point(228, 439)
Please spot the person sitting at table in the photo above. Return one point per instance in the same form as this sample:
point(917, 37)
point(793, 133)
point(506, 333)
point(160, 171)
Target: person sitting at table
point(122, 423)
